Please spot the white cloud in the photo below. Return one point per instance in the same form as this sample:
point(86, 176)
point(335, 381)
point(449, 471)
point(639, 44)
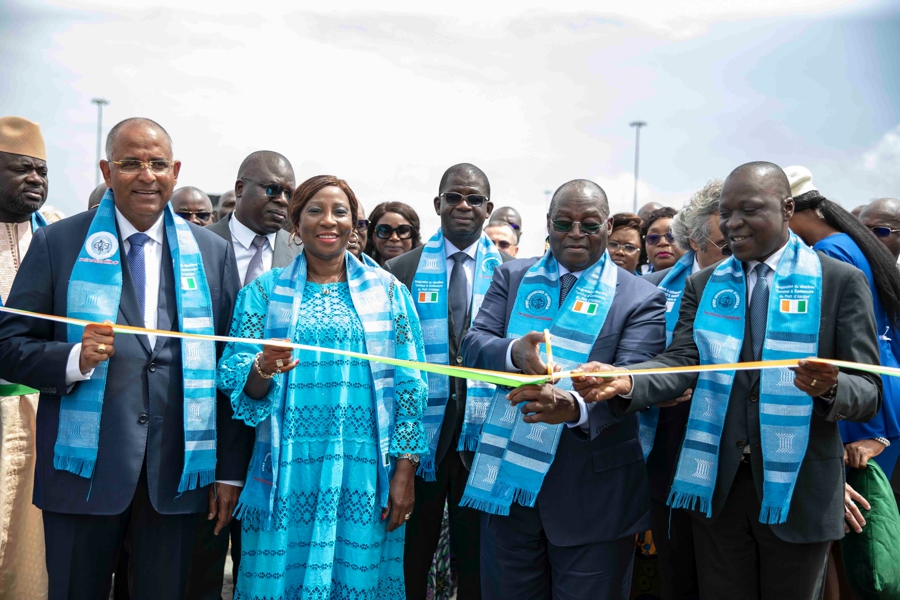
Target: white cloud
point(884, 159)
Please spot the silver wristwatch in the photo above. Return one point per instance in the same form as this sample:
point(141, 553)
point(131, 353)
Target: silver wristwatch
point(413, 458)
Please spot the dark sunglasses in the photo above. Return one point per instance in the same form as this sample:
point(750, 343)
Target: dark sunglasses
point(273, 190)
point(567, 226)
point(384, 232)
point(186, 215)
point(654, 238)
point(473, 200)
point(362, 224)
point(883, 232)
point(502, 244)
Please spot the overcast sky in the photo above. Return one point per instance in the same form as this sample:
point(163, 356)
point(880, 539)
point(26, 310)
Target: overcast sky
point(389, 97)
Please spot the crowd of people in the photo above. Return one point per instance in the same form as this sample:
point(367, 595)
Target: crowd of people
point(138, 461)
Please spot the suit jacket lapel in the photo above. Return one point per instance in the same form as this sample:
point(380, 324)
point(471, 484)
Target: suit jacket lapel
point(283, 255)
point(129, 308)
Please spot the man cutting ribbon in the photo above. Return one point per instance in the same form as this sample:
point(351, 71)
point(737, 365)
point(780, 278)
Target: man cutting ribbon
point(127, 436)
point(761, 465)
point(545, 460)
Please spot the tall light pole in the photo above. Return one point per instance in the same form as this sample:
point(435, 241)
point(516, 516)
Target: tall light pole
point(637, 155)
point(100, 102)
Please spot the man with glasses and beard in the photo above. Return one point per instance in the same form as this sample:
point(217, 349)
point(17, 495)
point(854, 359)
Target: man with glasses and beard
point(192, 204)
point(448, 278)
point(265, 182)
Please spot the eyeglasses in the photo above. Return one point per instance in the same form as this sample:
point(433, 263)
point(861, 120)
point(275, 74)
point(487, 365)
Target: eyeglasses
point(654, 238)
point(273, 190)
point(362, 223)
point(502, 244)
point(384, 232)
point(626, 248)
point(157, 166)
point(725, 249)
point(473, 200)
point(567, 226)
point(186, 215)
point(883, 232)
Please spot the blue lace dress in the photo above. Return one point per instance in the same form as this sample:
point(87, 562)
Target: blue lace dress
point(328, 541)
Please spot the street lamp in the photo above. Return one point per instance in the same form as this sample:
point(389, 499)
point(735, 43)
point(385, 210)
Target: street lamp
point(100, 102)
point(637, 154)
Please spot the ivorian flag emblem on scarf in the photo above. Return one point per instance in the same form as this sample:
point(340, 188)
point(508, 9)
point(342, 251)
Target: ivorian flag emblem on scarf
point(793, 306)
point(585, 308)
point(428, 297)
point(188, 283)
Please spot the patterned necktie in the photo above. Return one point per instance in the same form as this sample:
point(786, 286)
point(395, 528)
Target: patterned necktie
point(759, 309)
point(566, 283)
point(138, 268)
point(458, 291)
point(255, 268)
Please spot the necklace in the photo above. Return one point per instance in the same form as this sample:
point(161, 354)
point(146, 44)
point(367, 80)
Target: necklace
point(325, 290)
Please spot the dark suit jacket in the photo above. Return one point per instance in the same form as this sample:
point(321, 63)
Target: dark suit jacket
point(596, 488)
point(847, 332)
point(284, 250)
point(404, 267)
point(142, 416)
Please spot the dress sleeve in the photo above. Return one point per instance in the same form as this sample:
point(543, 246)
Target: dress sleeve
point(249, 322)
point(410, 385)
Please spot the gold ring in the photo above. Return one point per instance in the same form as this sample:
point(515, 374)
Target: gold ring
point(814, 382)
point(279, 363)
point(101, 349)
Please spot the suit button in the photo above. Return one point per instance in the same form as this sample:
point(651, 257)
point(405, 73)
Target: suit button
point(740, 444)
point(453, 396)
point(754, 397)
point(152, 367)
point(459, 359)
point(143, 419)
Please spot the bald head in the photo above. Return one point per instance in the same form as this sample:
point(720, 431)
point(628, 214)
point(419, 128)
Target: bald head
point(507, 215)
point(856, 210)
point(97, 196)
point(226, 205)
point(645, 210)
point(264, 160)
point(764, 176)
point(192, 204)
point(883, 217)
point(581, 190)
point(464, 171)
point(128, 123)
point(263, 191)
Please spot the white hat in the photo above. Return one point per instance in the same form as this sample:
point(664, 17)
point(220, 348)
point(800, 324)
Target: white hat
point(800, 179)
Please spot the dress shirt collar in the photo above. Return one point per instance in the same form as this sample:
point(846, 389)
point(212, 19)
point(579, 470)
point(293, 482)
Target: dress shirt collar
point(450, 249)
point(772, 261)
point(563, 270)
point(126, 229)
point(244, 235)
point(696, 266)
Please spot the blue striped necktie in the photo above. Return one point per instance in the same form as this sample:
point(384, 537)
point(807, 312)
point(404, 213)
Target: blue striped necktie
point(138, 268)
point(566, 283)
point(759, 309)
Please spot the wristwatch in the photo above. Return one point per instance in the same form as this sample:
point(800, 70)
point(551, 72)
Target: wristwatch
point(831, 394)
point(413, 458)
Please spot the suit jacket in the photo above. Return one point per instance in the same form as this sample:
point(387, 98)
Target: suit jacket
point(847, 332)
point(284, 250)
point(142, 416)
point(600, 472)
point(404, 268)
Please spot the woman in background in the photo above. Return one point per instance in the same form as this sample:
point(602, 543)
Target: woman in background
point(624, 242)
point(659, 243)
point(393, 230)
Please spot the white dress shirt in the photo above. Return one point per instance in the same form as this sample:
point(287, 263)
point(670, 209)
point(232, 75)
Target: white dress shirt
point(242, 240)
point(468, 265)
point(152, 268)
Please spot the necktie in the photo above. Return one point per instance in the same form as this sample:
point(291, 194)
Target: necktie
point(759, 309)
point(566, 283)
point(458, 292)
point(138, 268)
point(255, 268)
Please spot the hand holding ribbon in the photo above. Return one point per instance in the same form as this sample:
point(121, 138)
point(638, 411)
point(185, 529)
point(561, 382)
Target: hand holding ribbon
point(600, 389)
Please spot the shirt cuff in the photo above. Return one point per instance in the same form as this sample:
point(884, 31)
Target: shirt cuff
point(582, 407)
point(73, 372)
point(630, 394)
point(233, 482)
point(510, 367)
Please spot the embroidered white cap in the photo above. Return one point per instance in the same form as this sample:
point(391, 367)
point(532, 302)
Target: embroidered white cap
point(800, 179)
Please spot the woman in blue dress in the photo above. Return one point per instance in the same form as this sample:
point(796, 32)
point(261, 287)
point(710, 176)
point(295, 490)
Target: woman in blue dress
point(330, 484)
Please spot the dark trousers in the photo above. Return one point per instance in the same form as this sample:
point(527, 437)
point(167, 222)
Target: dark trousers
point(674, 538)
point(424, 529)
point(207, 573)
point(742, 559)
point(518, 562)
point(82, 551)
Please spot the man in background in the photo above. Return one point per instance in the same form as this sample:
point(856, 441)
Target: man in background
point(504, 237)
point(509, 216)
point(883, 217)
point(192, 204)
point(226, 205)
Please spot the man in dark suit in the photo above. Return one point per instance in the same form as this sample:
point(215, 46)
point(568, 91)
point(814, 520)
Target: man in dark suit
point(578, 539)
point(461, 224)
point(132, 499)
point(265, 182)
point(738, 556)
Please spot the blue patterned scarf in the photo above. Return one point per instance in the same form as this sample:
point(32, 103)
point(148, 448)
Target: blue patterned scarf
point(672, 286)
point(369, 292)
point(429, 292)
point(792, 331)
point(37, 221)
point(95, 289)
point(513, 456)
